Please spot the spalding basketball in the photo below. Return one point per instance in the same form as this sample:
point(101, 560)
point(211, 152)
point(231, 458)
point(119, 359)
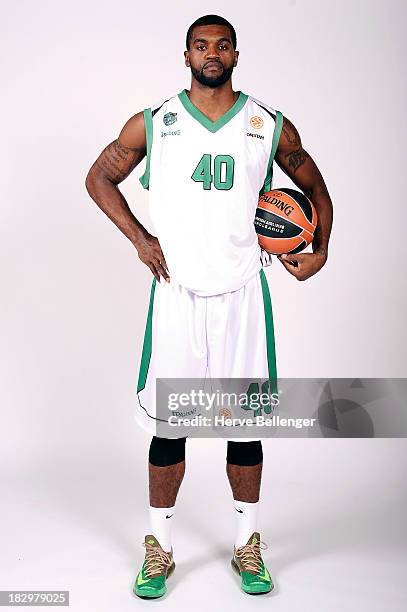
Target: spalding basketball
point(285, 221)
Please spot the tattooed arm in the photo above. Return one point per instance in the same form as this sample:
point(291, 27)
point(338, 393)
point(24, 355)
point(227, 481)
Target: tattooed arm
point(294, 161)
point(112, 166)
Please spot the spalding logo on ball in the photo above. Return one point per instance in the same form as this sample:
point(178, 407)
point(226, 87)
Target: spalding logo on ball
point(285, 221)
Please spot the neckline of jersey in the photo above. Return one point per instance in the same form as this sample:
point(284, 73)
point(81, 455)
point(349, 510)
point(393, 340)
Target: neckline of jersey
point(212, 126)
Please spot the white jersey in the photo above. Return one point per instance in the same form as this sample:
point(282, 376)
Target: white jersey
point(204, 179)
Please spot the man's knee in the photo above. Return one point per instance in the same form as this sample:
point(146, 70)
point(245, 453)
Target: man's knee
point(244, 453)
point(166, 451)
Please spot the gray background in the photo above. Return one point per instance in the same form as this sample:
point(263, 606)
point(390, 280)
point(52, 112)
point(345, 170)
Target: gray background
point(74, 297)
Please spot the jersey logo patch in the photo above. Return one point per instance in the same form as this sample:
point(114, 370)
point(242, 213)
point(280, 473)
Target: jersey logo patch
point(169, 118)
point(170, 133)
point(256, 122)
point(259, 136)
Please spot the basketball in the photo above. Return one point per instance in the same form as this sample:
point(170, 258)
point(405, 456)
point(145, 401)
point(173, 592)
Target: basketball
point(285, 221)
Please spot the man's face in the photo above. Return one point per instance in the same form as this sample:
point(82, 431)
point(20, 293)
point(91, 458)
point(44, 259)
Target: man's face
point(211, 56)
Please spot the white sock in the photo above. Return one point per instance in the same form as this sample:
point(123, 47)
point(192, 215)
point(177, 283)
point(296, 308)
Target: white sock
point(160, 523)
point(246, 521)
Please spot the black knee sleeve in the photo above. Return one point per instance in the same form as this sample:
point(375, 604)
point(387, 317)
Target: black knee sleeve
point(166, 451)
point(244, 453)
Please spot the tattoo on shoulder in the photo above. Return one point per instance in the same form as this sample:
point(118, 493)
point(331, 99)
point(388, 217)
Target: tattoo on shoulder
point(297, 158)
point(291, 133)
point(117, 161)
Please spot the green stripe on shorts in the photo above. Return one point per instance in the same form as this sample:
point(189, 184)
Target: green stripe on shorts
point(146, 354)
point(271, 349)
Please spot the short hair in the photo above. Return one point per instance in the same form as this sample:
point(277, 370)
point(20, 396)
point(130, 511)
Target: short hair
point(211, 20)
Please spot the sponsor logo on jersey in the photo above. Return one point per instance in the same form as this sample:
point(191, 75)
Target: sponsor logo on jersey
point(256, 122)
point(169, 118)
point(171, 133)
point(259, 136)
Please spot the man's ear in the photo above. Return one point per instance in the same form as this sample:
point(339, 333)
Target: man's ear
point(186, 56)
point(236, 58)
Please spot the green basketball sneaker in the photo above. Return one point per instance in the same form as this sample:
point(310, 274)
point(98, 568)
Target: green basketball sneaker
point(250, 566)
point(157, 566)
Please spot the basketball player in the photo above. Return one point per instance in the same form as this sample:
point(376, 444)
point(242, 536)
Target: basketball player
point(209, 153)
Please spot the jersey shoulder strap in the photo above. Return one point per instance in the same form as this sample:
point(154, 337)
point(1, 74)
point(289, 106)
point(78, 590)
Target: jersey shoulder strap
point(149, 114)
point(277, 123)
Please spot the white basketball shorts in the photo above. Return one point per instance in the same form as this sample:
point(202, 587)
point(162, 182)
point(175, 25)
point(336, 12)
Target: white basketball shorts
point(229, 335)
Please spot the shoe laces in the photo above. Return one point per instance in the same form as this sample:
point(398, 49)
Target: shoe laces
point(156, 561)
point(250, 556)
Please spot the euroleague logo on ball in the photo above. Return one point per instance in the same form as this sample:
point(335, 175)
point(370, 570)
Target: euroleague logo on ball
point(256, 122)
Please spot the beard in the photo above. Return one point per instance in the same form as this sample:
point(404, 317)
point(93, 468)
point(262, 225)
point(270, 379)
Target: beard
point(214, 81)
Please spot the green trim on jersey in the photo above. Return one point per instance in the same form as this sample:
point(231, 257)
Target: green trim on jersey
point(276, 137)
point(212, 126)
point(146, 354)
point(271, 349)
point(148, 123)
